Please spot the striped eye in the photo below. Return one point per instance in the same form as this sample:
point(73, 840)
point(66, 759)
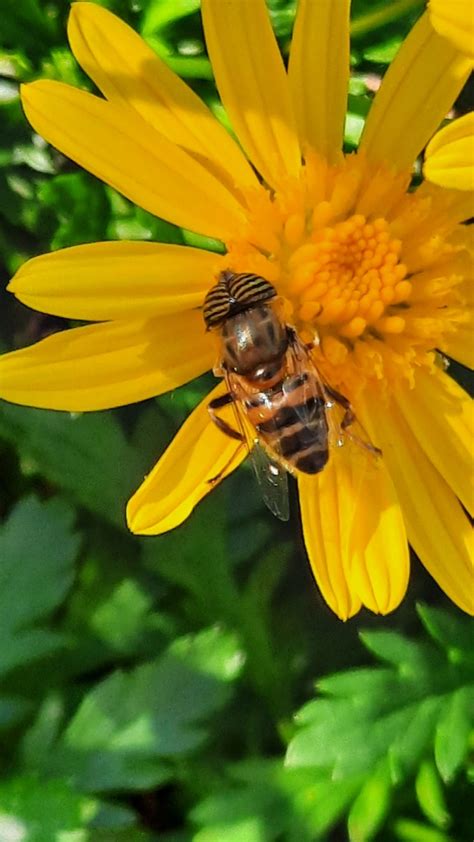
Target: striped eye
point(216, 305)
point(249, 288)
point(234, 293)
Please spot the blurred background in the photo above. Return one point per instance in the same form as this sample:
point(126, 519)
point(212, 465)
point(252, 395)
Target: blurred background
point(151, 689)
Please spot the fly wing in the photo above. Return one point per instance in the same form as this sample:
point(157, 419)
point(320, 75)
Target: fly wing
point(273, 481)
point(271, 476)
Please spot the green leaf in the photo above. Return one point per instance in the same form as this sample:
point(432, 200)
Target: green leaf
point(297, 805)
point(160, 13)
point(453, 731)
point(37, 550)
point(452, 631)
point(128, 726)
point(396, 649)
point(371, 806)
point(410, 831)
point(120, 620)
point(79, 206)
point(431, 796)
point(12, 709)
point(384, 52)
point(396, 713)
point(36, 811)
point(86, 455)
point(40, 737)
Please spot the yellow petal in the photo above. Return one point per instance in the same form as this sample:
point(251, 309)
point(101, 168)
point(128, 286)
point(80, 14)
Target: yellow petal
point(127, 71)
point(318, 73)
point(437, 526)
point(105, 281)
point(355, 533)
point(448, 207)
point(417, 92)
point(441, 415)
point(460, 345)
point(123, 150)
point(326, 514)
point(449, 157)
point(379, 556)
point(183, 476)
point(252, 82)
point(454, 19)
point(106, 365)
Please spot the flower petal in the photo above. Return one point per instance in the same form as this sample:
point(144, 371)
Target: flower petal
point(449, 157)
point(104, 281)
point(184, 474)
point(437, 527)
point(459, 345)
point(127, 71)
point(441, 415)
point(318, 73)
point(361, 549)
point(417, 92)
point(326, 514)
point(106, 365)
point(252, 82)
point(123, 150)
point(380, 557)
point(454, 20)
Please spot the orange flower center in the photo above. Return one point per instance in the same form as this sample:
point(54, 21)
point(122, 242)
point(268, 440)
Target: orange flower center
point(367, 270)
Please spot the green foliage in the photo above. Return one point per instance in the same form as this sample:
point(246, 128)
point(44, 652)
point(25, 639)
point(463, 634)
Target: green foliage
point(38, 549)
point(108, 746)
point(389, 724)
point(34, 811)
point(148, 688)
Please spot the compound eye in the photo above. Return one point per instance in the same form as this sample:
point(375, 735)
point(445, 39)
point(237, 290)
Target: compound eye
point(250, 289)
point(216, 305)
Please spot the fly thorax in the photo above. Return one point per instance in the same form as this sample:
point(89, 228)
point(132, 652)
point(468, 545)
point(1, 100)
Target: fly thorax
point(253, 339)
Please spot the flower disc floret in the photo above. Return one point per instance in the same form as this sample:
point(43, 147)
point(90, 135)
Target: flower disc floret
point(364, 267)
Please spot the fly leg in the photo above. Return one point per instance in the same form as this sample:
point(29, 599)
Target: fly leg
point(348, 419)
point(226, 428)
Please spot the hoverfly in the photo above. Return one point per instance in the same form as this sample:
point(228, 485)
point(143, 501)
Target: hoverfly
point(282, 406)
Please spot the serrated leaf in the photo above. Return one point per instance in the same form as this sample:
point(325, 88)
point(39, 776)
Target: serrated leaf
point(37, 552)
point(371, 806)
point(129, 725)
point(430, 795)
point(393, 714)
point(35, 811)
point(297, 805)
point(406, 752)
point(396, 649)
point(85, 455)
point(453, 730)
point(452, 631)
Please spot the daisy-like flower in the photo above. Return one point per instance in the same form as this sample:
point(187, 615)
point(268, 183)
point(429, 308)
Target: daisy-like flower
point(379, 273)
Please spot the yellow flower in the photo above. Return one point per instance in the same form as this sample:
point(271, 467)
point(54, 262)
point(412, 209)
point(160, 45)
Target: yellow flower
point(454, 19)
point(379, 273)
point(449, 156)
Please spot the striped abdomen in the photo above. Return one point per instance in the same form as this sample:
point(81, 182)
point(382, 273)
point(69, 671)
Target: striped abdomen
point(290, 418)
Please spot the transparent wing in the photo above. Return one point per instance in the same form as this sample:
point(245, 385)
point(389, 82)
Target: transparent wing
point(273, 481)
point(343, 426)
point(271, 476)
